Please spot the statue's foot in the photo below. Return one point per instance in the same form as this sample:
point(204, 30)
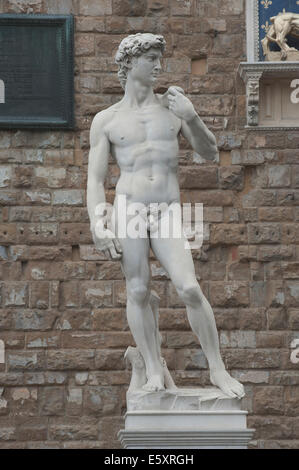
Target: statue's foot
point(230, 386)
point(154, 384)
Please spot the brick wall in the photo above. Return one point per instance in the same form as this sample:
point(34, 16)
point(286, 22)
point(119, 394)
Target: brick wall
point(62, 313)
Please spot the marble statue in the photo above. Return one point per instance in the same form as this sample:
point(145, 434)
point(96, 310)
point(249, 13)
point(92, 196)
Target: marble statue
point(141, 132)
point(282, 25)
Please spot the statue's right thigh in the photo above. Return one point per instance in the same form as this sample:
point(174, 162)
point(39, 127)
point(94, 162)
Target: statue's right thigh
point(135, 259)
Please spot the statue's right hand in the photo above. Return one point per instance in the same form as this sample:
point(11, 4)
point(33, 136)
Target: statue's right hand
point(106, 241)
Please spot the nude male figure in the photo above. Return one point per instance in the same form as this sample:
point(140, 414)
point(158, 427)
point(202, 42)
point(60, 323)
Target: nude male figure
point(141, 132)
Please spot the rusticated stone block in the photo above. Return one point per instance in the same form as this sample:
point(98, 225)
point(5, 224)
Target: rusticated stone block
point(252, 318)
point(292, 293)
point(9, 198)
point(20, 361)
point(198, 178)
point(273, 253)
point(191, 359)
point(208, 197)
point(109, 429)
point(5, 176)
point(52, 401)
point(70, 359)
point(8, 233)
point(277, 318)
point(75, 233)
point(23, 401)
point(273, 427)
point(24, 6)
point(43, 340)
point(232, 177)
point(129, 8)
point(74, 428)
point(39, 294)
point(231, 234)
point(276, 214)
point(230, 43)
point(96, 294)
point(38, 234)
point(101, 401)
point(108, 319)
point(291, 397)
point(82, 340)
point(293, 316)
point(31, 428)
point(95, 7)
point(279, 176)
point(264, 233)
point(109, 360)
point(269, 400)
point(15, 294)
point(74, 401)
point(284, 377)
point(75, 319)
point(238, 271)
point(270, 339)
point(251, 359)
point(229, 294)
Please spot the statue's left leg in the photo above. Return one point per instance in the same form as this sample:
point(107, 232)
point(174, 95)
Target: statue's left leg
point(178, 262)
point(282, 30)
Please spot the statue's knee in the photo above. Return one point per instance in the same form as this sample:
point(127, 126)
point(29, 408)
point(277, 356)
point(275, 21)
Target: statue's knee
point(191, 293)
point(138, 292)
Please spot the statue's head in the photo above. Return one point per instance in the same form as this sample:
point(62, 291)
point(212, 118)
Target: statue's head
point(139, 55)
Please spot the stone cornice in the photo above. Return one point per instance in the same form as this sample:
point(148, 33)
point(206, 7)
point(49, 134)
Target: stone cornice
point(247, 69)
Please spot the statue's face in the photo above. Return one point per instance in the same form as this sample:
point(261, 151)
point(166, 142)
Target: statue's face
point(146, 67)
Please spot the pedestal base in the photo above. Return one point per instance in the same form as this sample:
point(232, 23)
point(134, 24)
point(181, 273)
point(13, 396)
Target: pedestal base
point(184, 419)
point(273, 56)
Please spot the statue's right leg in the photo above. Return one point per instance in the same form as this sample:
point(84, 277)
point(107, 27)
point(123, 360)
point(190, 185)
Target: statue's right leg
point(141, 320)
point(139, 311)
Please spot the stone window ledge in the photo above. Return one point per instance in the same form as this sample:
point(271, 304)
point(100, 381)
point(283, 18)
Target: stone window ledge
point(252, 74)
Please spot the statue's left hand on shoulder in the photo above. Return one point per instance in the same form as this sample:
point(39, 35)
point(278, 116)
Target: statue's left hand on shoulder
point(179, 104)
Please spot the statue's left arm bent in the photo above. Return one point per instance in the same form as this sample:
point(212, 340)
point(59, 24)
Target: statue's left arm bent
point(193, 128)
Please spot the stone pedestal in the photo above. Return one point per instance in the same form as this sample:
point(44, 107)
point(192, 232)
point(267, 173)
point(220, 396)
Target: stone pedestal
point(184, 419)
point(273, 56)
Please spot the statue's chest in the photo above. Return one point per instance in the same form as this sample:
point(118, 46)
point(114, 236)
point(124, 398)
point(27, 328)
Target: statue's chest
point(137, 127)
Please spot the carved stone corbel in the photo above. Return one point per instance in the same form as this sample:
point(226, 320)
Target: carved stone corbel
point(252, 98)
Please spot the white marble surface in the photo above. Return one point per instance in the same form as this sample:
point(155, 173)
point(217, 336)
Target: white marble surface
point(186, 399)
point(142, 132)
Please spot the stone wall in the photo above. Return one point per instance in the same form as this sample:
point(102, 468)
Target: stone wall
point(62, 314)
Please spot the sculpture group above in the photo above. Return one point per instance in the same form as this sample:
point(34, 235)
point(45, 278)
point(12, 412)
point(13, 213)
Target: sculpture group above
point(141, 132)
point(283, 25)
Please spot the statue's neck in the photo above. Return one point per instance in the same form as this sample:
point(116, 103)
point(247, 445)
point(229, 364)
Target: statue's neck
point(138, 95)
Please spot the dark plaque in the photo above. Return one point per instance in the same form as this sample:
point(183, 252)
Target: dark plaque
point(36, 71)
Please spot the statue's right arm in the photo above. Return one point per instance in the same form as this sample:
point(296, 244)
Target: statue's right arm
point(97, 167)
point(97, 172)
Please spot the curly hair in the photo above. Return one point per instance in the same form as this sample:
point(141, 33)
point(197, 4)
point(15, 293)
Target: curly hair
point(133, 46)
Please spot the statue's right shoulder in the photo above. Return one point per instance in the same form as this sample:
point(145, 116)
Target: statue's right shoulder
point(103, 117)
point(101, 121)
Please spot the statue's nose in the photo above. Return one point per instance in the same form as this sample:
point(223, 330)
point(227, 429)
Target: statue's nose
point(158, 65)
